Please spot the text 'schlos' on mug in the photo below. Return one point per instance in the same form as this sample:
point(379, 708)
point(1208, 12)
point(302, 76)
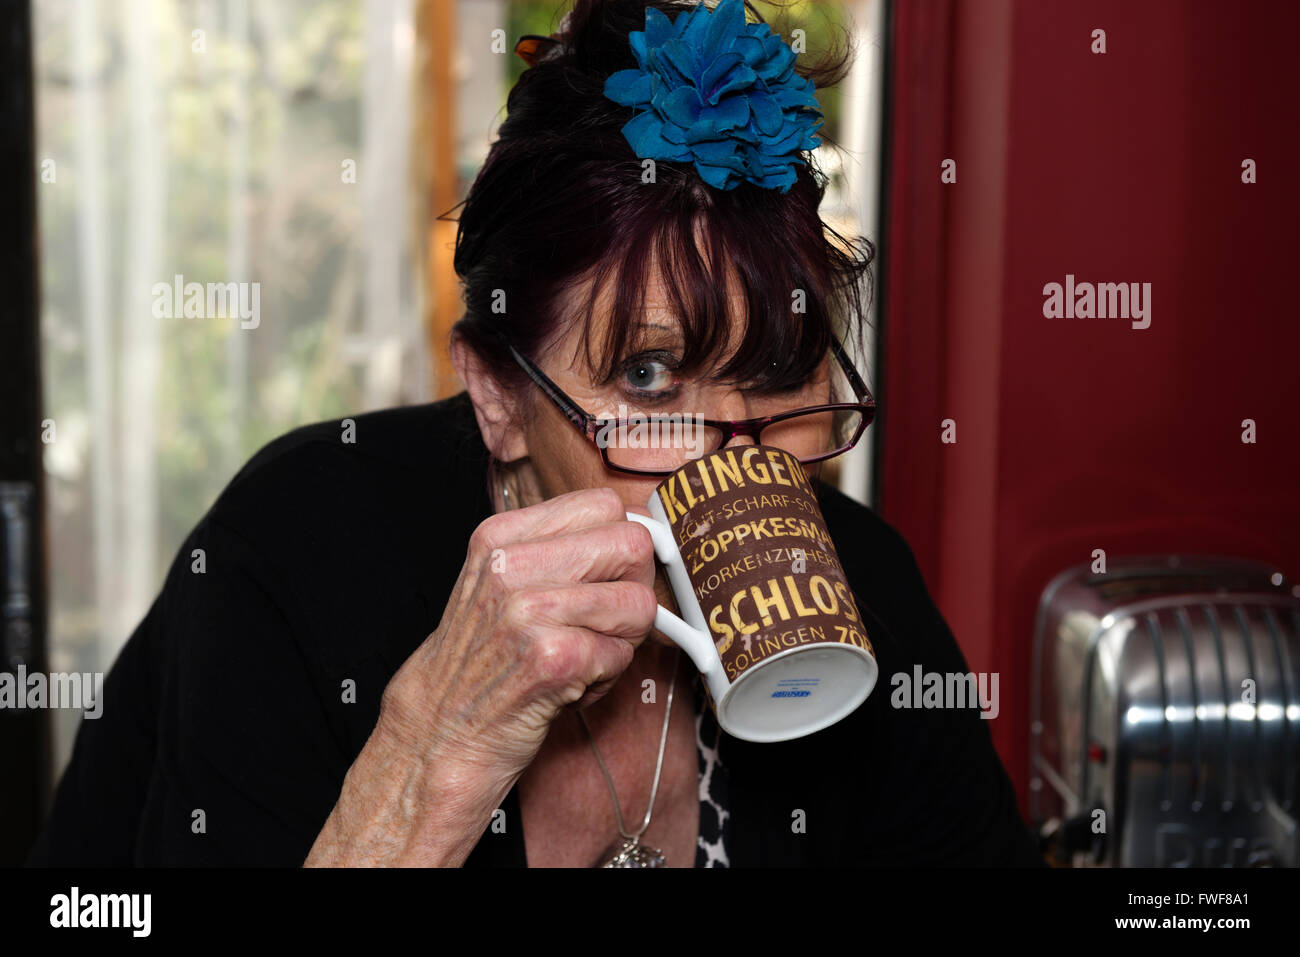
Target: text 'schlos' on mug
point(770, 621)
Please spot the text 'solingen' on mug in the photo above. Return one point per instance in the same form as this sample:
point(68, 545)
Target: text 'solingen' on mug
point(770, 620)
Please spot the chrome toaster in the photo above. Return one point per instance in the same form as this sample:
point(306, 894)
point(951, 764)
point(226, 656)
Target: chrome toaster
point(1165, 715)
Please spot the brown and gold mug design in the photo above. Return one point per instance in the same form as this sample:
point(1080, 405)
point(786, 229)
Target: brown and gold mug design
point(768, 616)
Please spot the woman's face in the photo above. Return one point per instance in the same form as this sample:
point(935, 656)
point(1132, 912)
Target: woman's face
point(560, 459)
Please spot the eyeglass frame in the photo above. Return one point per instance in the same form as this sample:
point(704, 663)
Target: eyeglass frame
point(584, 421)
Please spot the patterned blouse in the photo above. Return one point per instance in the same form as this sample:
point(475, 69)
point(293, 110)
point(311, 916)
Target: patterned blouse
point(711, 849)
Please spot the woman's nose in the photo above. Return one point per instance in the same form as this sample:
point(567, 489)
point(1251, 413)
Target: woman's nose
point(728, 405)
point(732, 407)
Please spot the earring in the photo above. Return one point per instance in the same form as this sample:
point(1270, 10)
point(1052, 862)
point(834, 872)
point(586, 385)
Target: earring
point(508, 502)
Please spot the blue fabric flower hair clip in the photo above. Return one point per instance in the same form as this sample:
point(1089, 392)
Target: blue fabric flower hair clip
point(719, 92)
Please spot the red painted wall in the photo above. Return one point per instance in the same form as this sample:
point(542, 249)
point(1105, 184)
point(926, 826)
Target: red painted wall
point(1075, 434)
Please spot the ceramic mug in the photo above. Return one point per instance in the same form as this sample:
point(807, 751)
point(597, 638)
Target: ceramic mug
point(768, 617)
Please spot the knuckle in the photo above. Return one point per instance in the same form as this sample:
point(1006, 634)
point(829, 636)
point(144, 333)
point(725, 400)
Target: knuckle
point(485, 537)
point(635, 603)
point(606, 503)
point(514, 608)
point(644, 603)
point(524, 606)
point(625, 653)
point(501, 562)
point(557, 656)
point(637, 542)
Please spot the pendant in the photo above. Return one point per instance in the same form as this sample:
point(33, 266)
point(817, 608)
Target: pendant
point(632, 854)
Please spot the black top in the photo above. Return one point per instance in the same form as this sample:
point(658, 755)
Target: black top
point(326, 560)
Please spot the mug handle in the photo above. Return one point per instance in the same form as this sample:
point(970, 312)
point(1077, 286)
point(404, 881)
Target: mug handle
point(690, 639)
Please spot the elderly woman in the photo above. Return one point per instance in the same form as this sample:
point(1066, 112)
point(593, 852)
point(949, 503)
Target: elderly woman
point(426, 636)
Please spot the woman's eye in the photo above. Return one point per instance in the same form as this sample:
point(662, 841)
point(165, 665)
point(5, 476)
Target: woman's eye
point(648, 375)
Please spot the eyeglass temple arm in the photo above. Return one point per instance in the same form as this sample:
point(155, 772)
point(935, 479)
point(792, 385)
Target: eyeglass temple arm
point(749, 427)
point(855, 380)
point(581, 419)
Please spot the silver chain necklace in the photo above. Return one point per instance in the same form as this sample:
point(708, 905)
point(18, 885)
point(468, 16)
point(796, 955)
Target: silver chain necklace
point(632, 853)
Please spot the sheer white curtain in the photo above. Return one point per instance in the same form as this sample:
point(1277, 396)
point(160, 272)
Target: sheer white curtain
point(856, 202)
point(260, 144)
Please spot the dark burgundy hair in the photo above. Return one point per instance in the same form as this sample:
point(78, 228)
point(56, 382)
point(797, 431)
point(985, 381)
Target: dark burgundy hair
point(560, 199)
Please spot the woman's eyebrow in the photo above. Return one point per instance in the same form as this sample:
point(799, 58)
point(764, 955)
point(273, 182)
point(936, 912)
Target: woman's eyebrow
point(642, 323)
point(640, 338)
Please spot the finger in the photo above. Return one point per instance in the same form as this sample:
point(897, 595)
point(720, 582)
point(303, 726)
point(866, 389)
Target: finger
point(614, 551)
point(604, 659)
point(618, 609)
point(572, 510)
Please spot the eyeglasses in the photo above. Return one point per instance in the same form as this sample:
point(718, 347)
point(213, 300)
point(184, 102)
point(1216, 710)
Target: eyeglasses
point(659, 444)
